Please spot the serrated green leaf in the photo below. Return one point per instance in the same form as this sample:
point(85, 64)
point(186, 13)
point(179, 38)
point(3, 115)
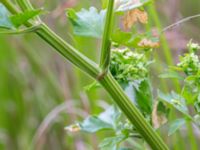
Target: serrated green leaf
point(175, 125)
point(140, 95)
point(93, 124)
point(130, 92)
point(175, 100)
point(111, 115)
point(4, 18)
point(144, 96)
point(111, 143)
point(106, 120)
point(88, 23)
point(22, 18)
point(126, 5)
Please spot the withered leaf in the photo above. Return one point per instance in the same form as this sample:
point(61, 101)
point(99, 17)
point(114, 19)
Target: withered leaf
point(134, 16)
point(158, 118)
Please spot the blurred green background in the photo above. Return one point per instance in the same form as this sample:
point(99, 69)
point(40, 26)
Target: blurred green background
point(41, 93)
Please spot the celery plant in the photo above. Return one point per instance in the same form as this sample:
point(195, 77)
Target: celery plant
point(29, 17)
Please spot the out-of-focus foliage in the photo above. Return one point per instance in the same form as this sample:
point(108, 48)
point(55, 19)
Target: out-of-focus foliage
point(189, 64)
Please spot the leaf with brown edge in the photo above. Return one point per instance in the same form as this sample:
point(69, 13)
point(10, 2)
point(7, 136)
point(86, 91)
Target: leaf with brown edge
point(159, 114)
point(134, 16)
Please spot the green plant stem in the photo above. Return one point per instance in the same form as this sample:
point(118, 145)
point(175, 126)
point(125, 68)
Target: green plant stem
point(106, 41)
point(68, 51)
point(108, 82)
point(26, 5)
point(9, 6)
point(65, 49)
point(133, 114)
point(112, 87)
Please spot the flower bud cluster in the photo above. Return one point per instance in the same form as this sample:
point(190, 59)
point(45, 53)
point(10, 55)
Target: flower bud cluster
point(127, 65)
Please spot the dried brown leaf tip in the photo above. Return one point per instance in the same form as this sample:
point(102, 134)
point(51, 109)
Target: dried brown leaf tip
point(147, 43)
point(134, 16)
point(158, 119)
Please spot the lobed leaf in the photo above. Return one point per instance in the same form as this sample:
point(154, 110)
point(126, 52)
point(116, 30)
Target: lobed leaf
point(140, 94)
point(93, 124)
point(88, 23)
point(111, 115)
point(130, 92)
point(106, 120)
point(175, 100)
point(144, 96)
point(112, 143)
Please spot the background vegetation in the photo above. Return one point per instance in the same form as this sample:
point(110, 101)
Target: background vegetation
point(41, 93)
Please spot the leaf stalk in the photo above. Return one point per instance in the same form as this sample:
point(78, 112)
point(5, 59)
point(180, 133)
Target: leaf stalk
point(106, 41)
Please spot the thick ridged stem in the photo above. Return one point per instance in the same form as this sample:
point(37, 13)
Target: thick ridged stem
point(68, 51)
point(106, 41)
point(132, 113)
